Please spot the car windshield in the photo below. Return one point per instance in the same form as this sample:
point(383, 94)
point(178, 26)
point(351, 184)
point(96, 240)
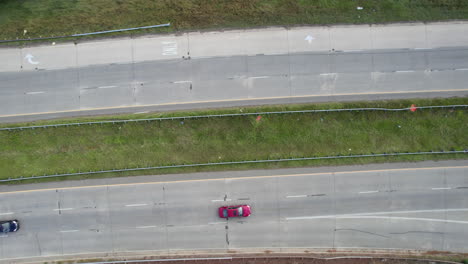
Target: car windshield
point(5, 227)
point(240, 210)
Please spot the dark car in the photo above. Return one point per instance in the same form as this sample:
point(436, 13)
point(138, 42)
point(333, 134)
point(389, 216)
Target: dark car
point(9, 226)
point(234, 211)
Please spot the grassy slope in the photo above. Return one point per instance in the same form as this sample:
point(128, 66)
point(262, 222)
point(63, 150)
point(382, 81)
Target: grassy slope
point(59, 17)
point(99, 147)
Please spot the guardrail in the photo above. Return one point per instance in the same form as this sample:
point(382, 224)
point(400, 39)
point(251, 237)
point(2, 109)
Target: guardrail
point(240, 114)
point(239, 162)
point(87, 34)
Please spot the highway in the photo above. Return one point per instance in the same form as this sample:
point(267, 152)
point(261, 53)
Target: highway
point(234, 68)
point(420, 207)
point(238, 79)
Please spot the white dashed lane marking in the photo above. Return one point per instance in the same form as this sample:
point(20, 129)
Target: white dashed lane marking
point(134, 205)
point(63, 209)
point(296, 196)
point(365, 192)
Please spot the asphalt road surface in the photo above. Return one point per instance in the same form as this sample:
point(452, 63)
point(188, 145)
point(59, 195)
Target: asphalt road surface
point(234, 68)
point(310, 76)
point(422, 208)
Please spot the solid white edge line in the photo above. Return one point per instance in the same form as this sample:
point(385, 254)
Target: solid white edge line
point(403, 71)
point(406, 218)
point(364, 192)
point(442, 188)
point(144, 112)
point(215, 223)
point(182, 82)
point(68, 231)
point(462, 69)
point(107, 87)
point(133, 205)
point(377, 213)
point(35, 93)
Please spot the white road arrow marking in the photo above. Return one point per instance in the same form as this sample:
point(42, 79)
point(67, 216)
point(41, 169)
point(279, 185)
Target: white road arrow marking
point(30, 57)
point(309, 38)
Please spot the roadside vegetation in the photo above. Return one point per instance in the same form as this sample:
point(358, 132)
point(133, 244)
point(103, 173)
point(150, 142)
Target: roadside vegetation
point(42, 151)
point(46, 18)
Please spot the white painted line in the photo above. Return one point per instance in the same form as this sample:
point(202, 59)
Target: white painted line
point(216, 223)
point(403, 71)
point(107, 87)
point(442, 188)
point(30, 58)
point(227, 200)
point(68, 231)
point(9, 213)
point(326, 74)
point(237, 77)
point(3, 236)
point(378, 213)
point(182, 82)
point(145, 226)
point(422, 48)
point(357, 50)
point(131, 205)
point(260, 77)
point(144, 112)
point(169, 48)
point(462, 69)
point(405, 218)
point(63, 209)
point(296, 196)
point(35, 92)
point(368, 192)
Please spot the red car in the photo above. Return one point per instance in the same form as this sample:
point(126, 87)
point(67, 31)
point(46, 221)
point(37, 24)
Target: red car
point(234, 211)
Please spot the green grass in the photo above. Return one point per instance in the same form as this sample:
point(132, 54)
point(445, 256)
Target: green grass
point(113, 146)
point(60, 17)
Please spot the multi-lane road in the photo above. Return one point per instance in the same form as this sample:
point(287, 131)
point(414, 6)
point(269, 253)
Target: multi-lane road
point(219, 69)
point(424, 207)
point(239, 79)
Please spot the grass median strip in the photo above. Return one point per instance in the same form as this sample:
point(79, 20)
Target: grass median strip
point(45, 18)
point(158, 143)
